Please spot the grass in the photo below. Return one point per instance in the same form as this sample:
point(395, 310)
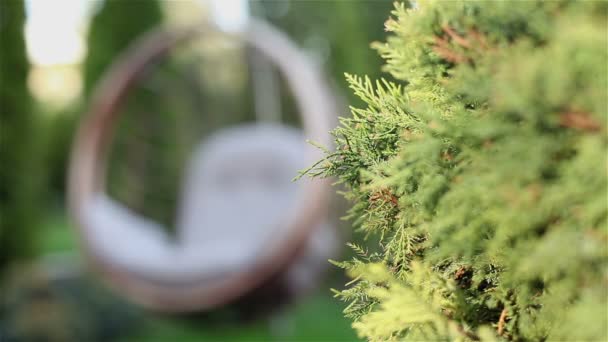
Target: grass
point(315, 318)
point(318, 318)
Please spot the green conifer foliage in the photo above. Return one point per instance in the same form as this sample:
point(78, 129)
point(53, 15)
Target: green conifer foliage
point(19, 169)
point(481, 172)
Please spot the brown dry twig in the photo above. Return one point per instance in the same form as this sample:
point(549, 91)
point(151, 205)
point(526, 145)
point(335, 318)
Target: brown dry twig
point(460, 273)
point(501, 321)
point(579, 120)
point(456, 37)
point(480, 38)
point(385, 195)
point(476, 43)
point(442, 48)
point(447, 156)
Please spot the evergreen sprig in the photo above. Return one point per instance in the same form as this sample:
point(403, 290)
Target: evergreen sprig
point(482, 172)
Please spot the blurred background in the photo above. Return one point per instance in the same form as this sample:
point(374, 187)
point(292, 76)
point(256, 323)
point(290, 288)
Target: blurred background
point(52, 54)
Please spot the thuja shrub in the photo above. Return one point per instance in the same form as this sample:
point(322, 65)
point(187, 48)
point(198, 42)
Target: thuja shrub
point(479, 176)
point(21, 177)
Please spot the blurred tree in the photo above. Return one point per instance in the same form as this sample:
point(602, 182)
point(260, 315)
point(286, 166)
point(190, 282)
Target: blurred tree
point(112, 29)
point(115, 25)
point(19, 169)
point(337, 33)
point(144, 160)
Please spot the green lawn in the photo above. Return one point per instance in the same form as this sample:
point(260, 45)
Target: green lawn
point(314, 318)
point(317, 318)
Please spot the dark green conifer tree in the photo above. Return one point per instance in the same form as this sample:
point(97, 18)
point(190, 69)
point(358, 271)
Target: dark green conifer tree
point(19, 171)
point(117, 24)
point(481, 173)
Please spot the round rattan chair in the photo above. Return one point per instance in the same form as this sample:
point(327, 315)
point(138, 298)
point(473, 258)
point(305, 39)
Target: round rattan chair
point(210, 263)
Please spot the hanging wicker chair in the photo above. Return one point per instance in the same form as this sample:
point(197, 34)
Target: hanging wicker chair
point(211, 262)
